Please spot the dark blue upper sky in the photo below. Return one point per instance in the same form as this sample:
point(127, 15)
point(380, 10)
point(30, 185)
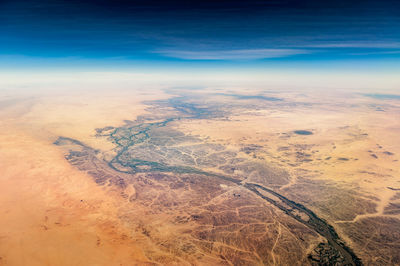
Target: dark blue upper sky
point(71, 32)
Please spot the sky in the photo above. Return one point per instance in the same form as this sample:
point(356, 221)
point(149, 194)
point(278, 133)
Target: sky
point(123, 35)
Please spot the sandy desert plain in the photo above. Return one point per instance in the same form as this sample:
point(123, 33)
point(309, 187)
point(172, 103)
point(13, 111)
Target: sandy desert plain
point(217, 176)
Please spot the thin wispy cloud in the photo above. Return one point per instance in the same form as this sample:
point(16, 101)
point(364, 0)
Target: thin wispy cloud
point(378, 53)
point(368, 45)
point(246, 54)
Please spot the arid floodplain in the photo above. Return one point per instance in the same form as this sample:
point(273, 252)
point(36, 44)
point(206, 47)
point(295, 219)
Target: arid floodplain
point(211, 176)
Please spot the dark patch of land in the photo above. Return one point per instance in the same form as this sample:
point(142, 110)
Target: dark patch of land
point(383, 96)
point(252, 97)
point(388, 153)
point(303, 132)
